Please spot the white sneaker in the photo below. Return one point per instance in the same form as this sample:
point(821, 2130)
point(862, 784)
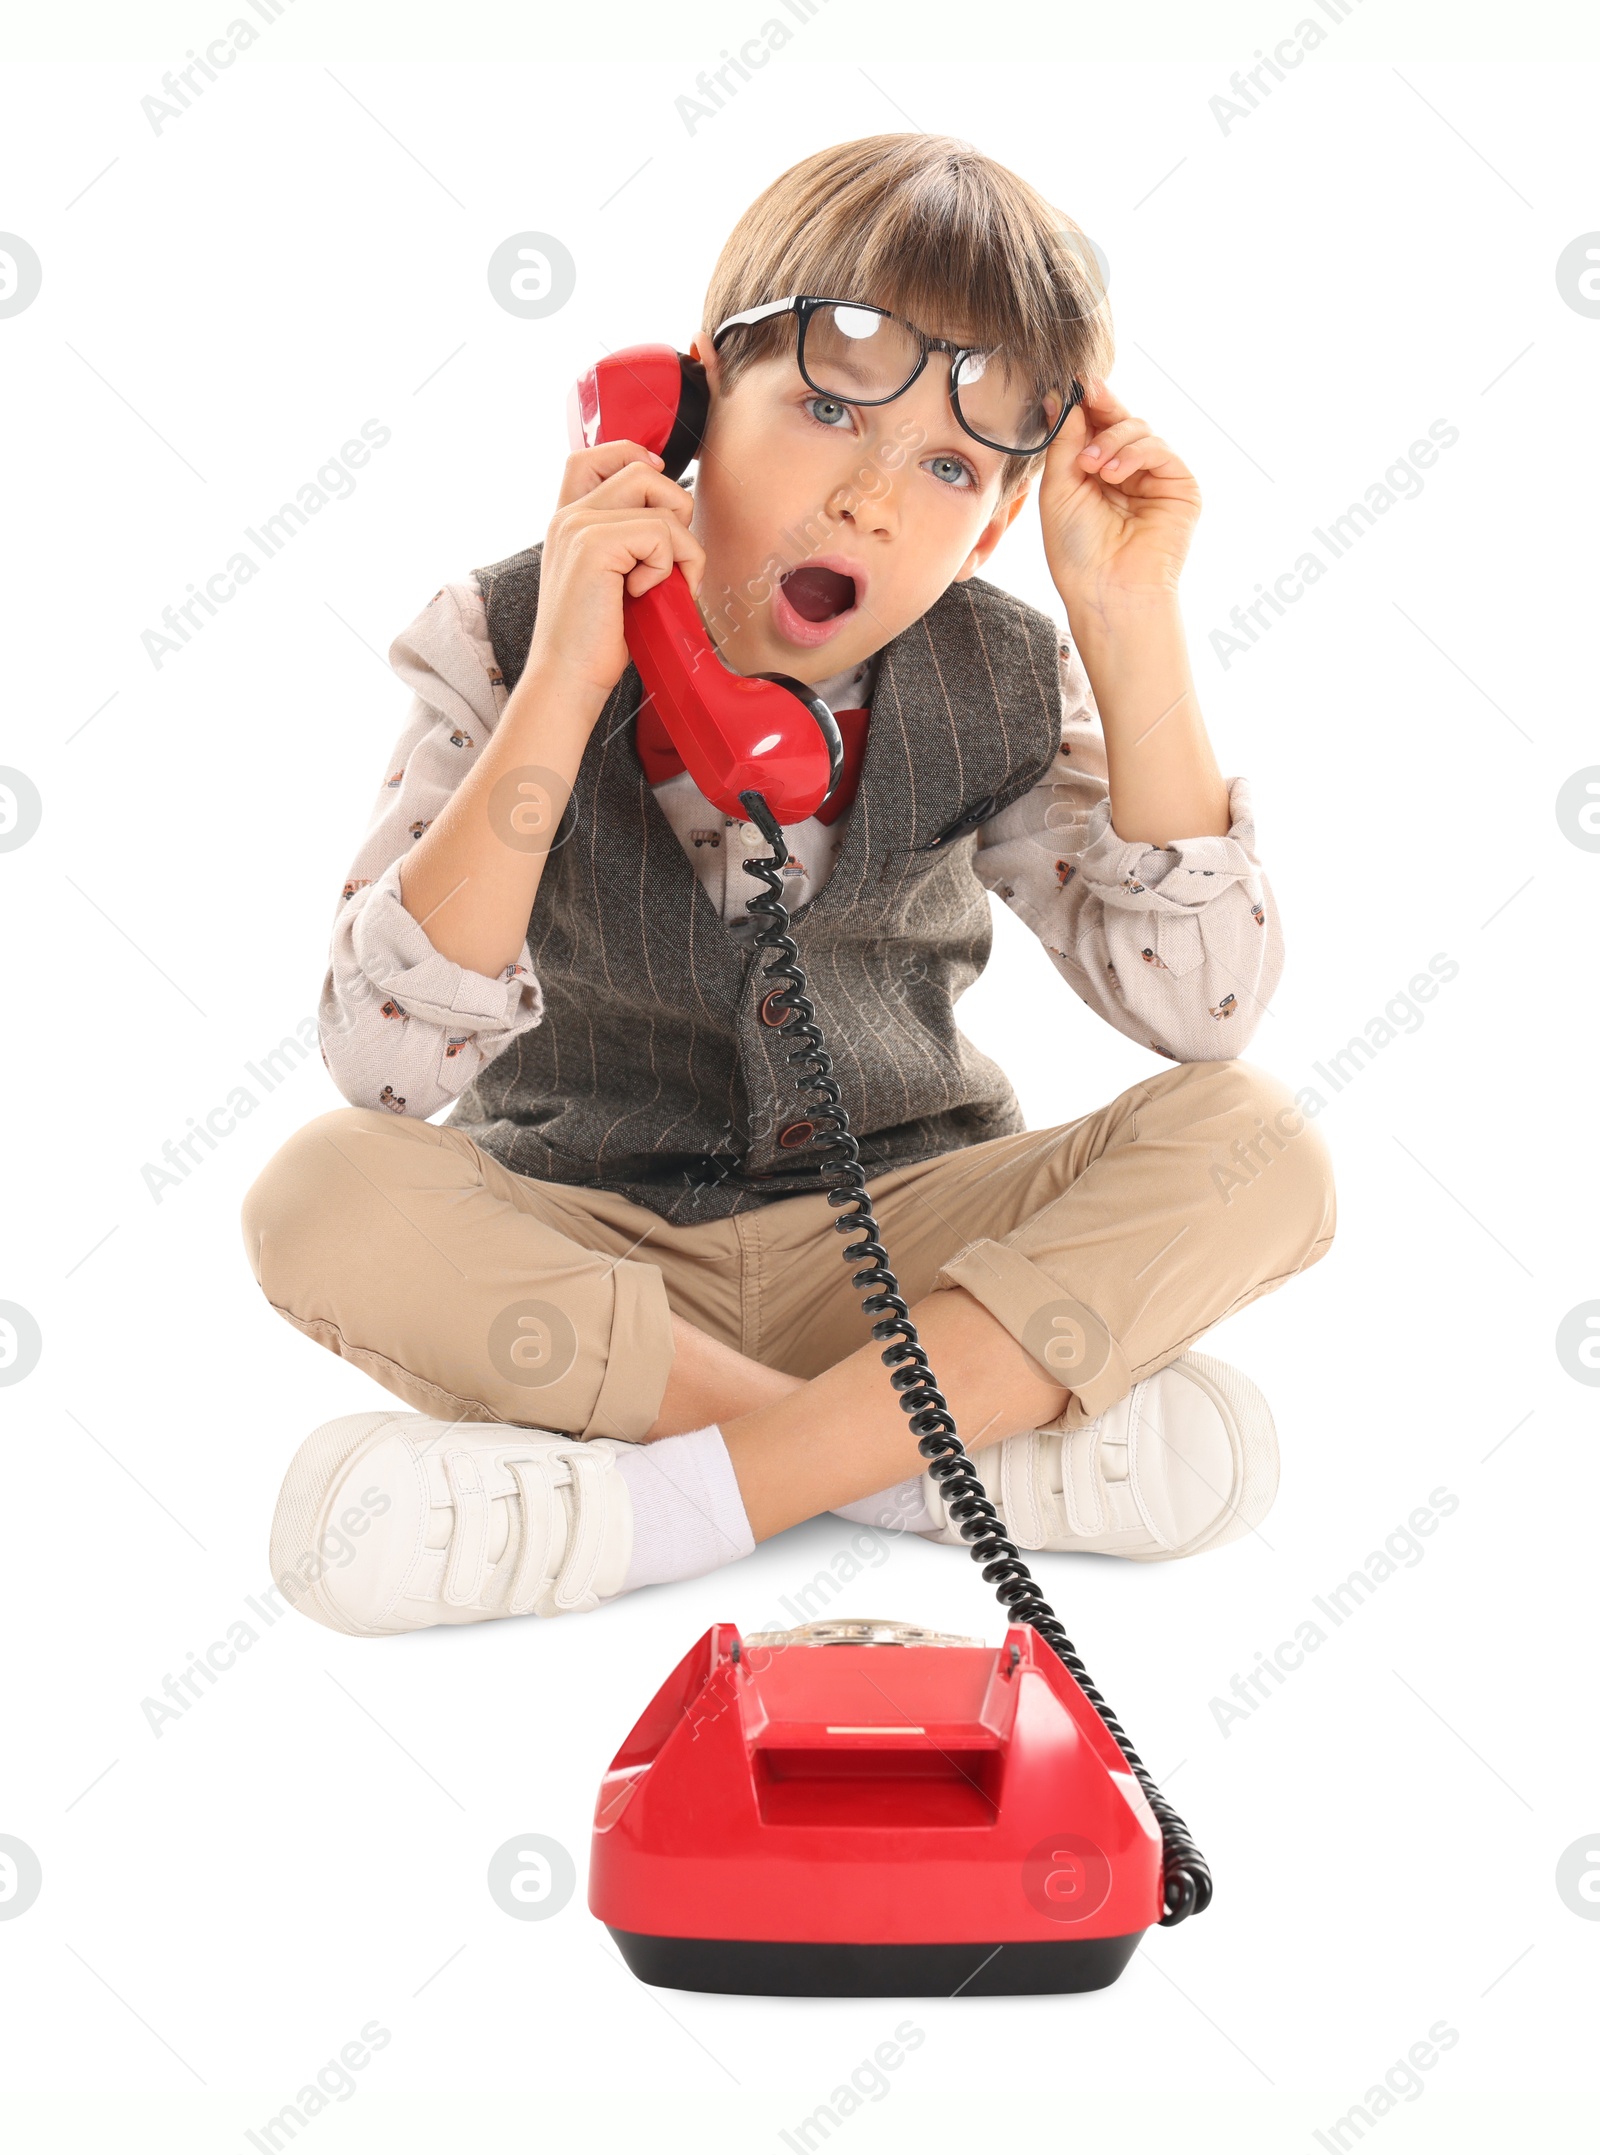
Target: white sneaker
point(389, 1522)
point(1187, 1461)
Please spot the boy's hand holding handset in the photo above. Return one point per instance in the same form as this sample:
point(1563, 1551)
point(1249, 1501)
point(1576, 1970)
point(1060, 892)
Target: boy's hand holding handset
point(472, 877)
point(619, 525)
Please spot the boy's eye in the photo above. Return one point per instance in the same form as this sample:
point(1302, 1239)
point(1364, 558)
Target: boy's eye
point(832, 411)
point(957, 472)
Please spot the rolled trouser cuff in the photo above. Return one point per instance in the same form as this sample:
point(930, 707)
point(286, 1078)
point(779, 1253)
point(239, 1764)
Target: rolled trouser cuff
point(406, 1250)
point(1064, 1334)
point(639, 1356)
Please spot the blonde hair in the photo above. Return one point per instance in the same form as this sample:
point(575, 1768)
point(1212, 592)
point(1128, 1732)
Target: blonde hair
point(929, 227)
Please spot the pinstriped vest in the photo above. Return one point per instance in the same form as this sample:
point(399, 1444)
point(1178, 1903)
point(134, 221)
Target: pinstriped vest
point(652, 1072)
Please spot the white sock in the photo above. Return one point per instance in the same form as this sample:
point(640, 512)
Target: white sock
point(688, 1516)
point(902, 1506)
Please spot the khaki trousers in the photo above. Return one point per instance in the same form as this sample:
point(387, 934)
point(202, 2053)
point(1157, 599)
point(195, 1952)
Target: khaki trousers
point(1104, 1246)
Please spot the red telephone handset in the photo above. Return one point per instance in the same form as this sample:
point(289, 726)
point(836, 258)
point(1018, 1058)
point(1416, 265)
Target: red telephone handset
point(734, 731)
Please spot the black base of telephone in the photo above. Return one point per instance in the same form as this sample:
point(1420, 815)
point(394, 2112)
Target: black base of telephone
point(781, 1968)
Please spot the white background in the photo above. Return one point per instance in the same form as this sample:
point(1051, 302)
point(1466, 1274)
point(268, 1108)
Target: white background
point(1295, 301)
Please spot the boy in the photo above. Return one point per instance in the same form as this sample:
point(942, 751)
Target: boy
point(609, 1283)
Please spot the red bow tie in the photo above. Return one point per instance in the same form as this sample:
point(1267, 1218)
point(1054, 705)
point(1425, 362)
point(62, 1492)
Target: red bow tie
point(661, 760)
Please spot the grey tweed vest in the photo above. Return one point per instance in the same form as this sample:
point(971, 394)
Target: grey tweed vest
point(653, 1071)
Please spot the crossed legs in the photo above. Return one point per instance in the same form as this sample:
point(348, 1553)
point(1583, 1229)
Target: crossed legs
point(801, 1448)
point(405, 1249)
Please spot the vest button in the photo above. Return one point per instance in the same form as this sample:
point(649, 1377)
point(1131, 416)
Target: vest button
point(770, 1013)
point(795, 1133)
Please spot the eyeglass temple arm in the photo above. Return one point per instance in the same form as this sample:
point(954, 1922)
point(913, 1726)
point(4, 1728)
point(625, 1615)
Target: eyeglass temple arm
point(755, 314)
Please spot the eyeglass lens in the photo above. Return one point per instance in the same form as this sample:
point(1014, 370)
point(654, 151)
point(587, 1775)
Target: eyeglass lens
point(862, 357)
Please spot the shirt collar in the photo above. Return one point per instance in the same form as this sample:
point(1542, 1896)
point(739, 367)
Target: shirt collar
point(850, 690)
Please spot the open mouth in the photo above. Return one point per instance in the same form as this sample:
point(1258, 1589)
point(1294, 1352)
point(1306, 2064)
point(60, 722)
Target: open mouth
point(818, 594)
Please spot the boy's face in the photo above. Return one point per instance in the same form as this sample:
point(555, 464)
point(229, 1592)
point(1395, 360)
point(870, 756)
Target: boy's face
point(895, 499)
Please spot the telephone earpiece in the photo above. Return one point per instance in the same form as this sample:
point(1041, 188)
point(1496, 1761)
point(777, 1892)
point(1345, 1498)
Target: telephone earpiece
point(648, 393)
point(734, 731)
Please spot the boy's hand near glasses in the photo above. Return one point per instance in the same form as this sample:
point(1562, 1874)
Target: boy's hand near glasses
point(1117, 509)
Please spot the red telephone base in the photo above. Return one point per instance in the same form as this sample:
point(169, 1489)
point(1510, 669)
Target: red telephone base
point(867, 1809)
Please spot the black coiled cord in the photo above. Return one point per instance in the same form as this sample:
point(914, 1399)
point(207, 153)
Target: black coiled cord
point(1186, 1877)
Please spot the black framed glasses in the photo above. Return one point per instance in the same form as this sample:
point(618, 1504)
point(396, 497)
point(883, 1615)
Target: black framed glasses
point(861, 354)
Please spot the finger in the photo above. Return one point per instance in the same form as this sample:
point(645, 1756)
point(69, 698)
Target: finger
point(677, 549)
point(1149, 453)
point(586, 468)
point(1100, 406)
point(627, 516)
point(1061, 458)
point(636, 486)
point(690, 556)
point(1105, 442)
point(645, 549)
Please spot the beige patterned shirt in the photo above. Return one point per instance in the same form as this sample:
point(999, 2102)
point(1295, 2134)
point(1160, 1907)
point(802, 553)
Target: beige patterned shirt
point(1177, 946)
